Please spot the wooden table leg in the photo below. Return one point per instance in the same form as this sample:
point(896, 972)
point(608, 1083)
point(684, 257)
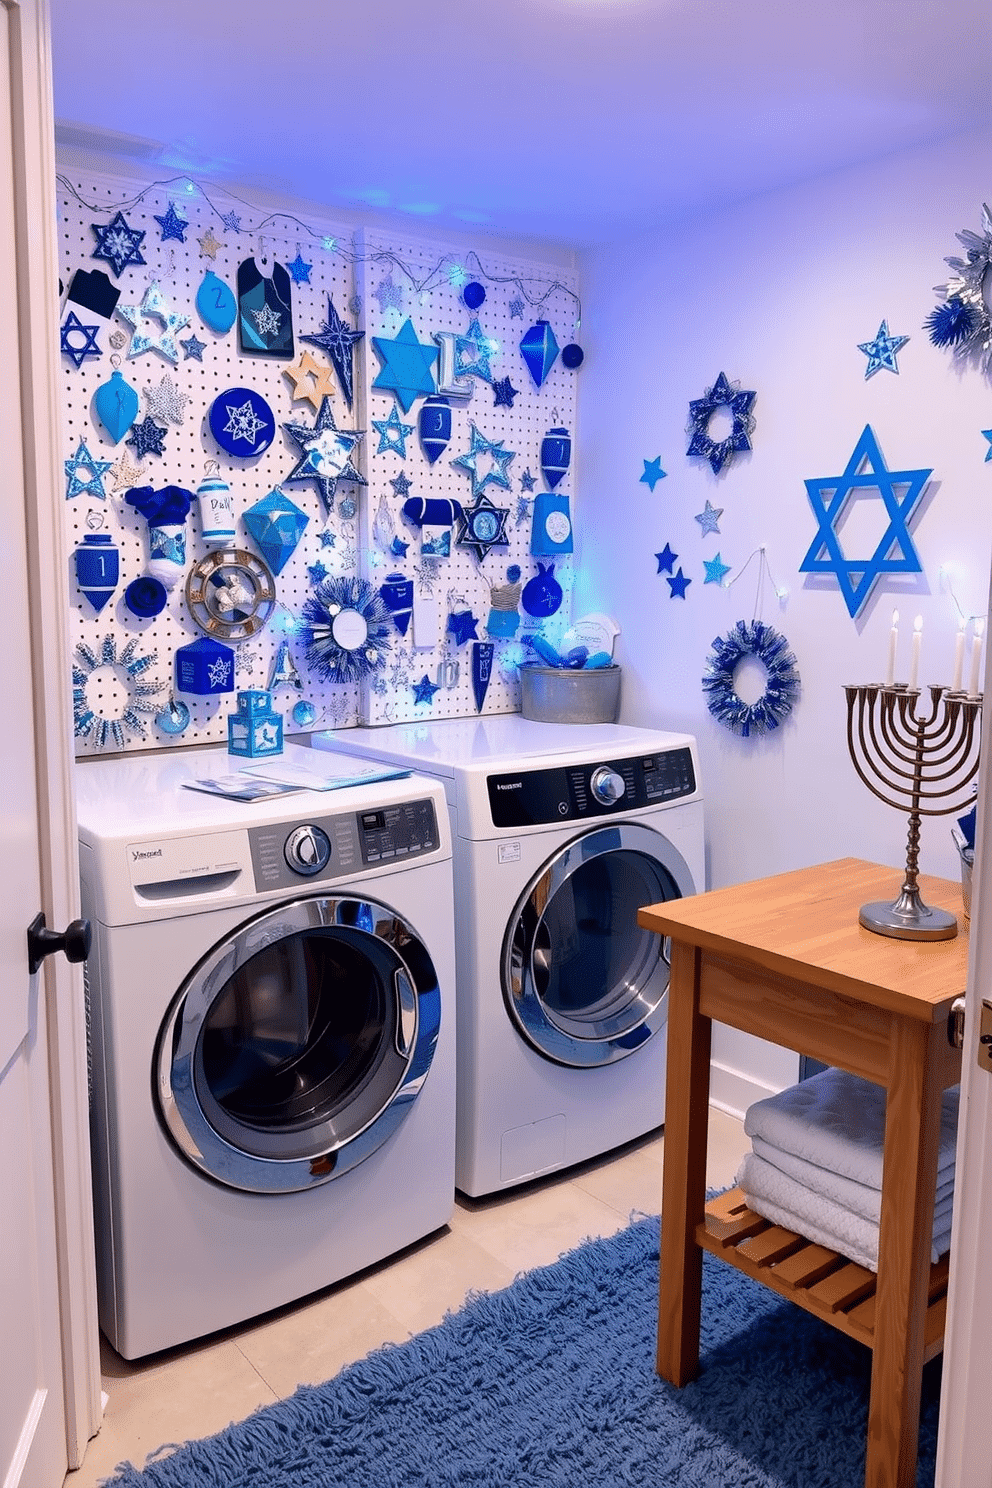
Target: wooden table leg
point(909, 1173)
point(684, 1185)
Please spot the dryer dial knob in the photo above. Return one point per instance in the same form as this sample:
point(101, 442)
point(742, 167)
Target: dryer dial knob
point(307, 850)
point(606, 785)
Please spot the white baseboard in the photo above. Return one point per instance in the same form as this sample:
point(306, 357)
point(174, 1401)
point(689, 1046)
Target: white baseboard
point(733, 1092)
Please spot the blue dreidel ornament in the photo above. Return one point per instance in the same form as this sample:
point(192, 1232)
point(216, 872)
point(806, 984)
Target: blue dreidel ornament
point(98, 568)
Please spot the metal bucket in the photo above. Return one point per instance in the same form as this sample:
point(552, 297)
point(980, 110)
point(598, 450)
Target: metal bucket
point(967, 856)
point(564, 695)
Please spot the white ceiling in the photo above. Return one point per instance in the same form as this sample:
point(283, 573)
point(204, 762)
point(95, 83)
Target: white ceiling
point(571, 121)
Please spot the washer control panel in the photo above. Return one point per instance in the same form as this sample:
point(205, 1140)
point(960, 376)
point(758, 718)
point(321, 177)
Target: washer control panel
point(531, 798)
point(331, 847)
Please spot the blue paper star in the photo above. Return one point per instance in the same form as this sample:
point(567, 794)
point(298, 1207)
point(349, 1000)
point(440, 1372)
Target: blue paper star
point(715, 570)
point(496, 475)
point(328, 539)
point(666, 559)
point(504, 393)
point(146, 438)
point(721, 395)
point(392, 433)
point(316, 572)
point(462, 625)
point(172, 225)
point(389, 295)
point(527, 481)
point(82, 460)
point(398, 547)
point(406, 366)
point(709, 518)
point(78, 352)
point(337, 338)
point(145, 335)
point(987, 434)
point(402, 484)
point(231, 221)
point(678, 585)
point(882, 351)
point(326, 453)
point(193, 347)
point(653, 472)
point(424, 690)
point(299, 270)
point(474, 352)
point(517, 309)
point(118, 243)
point(830, 497)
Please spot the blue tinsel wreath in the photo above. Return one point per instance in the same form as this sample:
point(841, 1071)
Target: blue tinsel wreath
point(751, 638)
point(331, 661)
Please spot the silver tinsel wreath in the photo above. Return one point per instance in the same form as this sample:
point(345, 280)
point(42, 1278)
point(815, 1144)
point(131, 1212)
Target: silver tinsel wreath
point(962, 321)
point(751, 638)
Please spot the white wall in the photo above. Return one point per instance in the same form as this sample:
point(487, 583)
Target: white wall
point(778, 294)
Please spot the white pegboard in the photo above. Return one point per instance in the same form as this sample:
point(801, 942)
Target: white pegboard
point(125, 665)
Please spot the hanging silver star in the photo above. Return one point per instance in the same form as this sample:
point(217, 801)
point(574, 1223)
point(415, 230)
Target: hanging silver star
point(166, 402)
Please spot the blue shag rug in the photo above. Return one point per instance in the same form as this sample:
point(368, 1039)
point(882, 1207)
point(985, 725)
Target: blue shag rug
point(551, 1384)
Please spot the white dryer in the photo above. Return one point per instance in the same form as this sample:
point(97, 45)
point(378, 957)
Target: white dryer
point(561, 833)
point(272, 1037)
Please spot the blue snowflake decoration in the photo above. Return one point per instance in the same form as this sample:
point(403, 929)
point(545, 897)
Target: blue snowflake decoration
point(118, 243)
point(881, 352)
point(345, 628)
point(172, 225)
point(722, 395)
point(751, 638)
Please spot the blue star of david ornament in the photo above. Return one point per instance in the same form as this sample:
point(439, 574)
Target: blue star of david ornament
point(242, 422)
point(739, 404)
point(424, 690)
point(496, 475)
point(653, 473)
point(147, 438)
point(406, 366)
point(830, 496)
point(709, 518)
point(337, 339)
point(678, 585)
point(172, 225)
point(483, 526)
point(666, 559)
point(882, 351)
point(118, 243)
point(715, 570)
point(393, 433)
point(326, 453)
point(275, 525)
point(299, 270)
point(987, 434)
point(77, 350)
point(90, 484)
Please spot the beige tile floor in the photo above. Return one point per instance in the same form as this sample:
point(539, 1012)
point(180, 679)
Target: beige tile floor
point(200, 1388)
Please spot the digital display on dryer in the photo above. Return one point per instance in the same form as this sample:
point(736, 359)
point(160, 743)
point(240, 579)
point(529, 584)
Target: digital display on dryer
point(530, 798)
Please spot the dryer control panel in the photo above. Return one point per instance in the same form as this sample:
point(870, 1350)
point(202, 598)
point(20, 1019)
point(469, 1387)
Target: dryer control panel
point(329, 847)
point(531, 798)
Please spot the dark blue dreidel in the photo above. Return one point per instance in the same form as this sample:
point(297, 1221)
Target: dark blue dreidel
point(556, 455)
point(204, 668)
point(434, 426)
point(254, 731)
point(97, 568)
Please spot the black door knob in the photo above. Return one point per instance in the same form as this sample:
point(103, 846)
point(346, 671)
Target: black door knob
point(75, 941)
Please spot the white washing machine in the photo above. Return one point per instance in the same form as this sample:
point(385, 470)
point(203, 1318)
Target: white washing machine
point(561, 833)
point(271, 990)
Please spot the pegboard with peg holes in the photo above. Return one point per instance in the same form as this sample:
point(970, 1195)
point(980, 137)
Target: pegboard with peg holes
point(123, 677)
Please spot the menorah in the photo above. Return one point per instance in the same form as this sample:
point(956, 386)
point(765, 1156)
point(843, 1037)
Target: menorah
point(911, 762)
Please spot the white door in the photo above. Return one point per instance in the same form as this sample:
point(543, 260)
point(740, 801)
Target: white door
point(49, 1396)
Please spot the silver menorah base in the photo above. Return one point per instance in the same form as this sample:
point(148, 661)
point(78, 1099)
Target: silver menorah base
point(921, 763)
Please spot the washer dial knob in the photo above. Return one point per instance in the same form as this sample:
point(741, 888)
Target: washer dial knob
point(307, 850)
point(606, 785)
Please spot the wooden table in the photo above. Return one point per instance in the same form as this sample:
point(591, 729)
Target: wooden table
point(786, 959)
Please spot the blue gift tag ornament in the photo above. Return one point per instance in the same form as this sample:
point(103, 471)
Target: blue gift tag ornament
point(556, 455)
point(539, 350)
point(216, 304)
point(482, 670)
point(434, 426)
point(542, 595)
point(116, 405)
point(97, 568)
point(551, 526)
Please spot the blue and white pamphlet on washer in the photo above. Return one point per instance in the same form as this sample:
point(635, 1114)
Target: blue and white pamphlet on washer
point(330, 772)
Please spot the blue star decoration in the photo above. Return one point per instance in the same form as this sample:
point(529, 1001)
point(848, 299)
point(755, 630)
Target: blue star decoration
point(504, 393)
point(398, 547)
point(462, 625)
point(666, 559)
point(316, 572)
point(987, 434)
point(337, 339)
point(473, 353)
point(715, 570)
point(326, 453)
point(85, 475)
point(389, 295)
point(172, 225)
point(830, 497)
point(146, 438)
point(739, 404)
point(709, 518)
point(118, 243)
point(653, 472)
point(299, 270)
point(193, 347)
point(483, 526)
point(407, 366)
point(402, 484)
point(231, 221)
point(678, 585)
point(392, 433)
point(74, 349)
point(516, 309)
point(424, 690)
point(527, 481)
point(882, 351)
point(496, 475)
point(328, 539)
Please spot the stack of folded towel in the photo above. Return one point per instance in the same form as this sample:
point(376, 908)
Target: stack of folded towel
point(816, 1163)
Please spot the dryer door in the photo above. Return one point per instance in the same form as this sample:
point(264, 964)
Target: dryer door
point(298, 1044)
point(584, 984)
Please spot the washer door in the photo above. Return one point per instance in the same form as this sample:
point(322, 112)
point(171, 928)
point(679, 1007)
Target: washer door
point(298, 1044)
point(584, 984)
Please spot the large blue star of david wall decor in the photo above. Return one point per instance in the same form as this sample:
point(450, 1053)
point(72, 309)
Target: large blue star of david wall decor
point(830, 496)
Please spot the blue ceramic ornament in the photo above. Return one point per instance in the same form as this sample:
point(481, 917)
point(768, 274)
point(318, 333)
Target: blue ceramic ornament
point(174, 717)
point(551, 526)
point(216, 304)
point(539, 350)
point(97, 568)
point(241, 422)
point(116, 405)
point(482, 670)
point(556, 455)
point(216, 508)
point(542, 595)
point(397, 595)
point(304, 713)
point(434, 426)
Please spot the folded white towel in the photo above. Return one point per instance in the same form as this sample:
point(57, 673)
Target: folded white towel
point(778, 1198)
point(837, 1121)
point(861, 1198)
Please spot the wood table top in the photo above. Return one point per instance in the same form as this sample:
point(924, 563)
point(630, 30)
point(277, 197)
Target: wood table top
point(804, 925)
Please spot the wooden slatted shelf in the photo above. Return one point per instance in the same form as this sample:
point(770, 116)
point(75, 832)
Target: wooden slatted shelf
point(812, 1276)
